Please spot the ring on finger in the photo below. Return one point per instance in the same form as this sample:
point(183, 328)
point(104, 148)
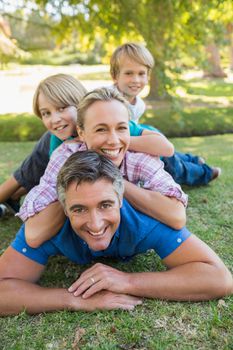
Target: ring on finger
point(92, 280)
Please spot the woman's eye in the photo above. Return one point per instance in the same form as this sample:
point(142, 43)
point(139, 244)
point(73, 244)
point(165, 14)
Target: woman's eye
point(61, 109)
point(123, 128)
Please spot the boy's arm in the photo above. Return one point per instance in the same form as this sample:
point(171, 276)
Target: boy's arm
point(44, 225)
point(153, 143)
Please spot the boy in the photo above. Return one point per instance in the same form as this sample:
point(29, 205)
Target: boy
point(130, 68)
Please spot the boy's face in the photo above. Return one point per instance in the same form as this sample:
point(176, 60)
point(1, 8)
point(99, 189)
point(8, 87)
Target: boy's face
point(106, 129)
point(131, 79)
point(60, 121)
point(94, 212)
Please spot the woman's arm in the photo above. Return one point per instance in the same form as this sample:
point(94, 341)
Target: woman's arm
point(168, 210)
point(153, 143)
point(44, 225)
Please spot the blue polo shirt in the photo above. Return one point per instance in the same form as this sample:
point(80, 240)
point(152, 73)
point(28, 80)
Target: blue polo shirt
point(136, 234)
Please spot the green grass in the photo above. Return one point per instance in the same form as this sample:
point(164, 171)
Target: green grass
point(155, 324)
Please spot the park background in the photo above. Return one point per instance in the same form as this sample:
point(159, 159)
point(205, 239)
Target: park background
point(190, 99)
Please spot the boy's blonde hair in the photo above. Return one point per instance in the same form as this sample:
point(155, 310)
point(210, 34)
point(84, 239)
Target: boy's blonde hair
point(100, 94)
point(61, 90)
point(133, 51)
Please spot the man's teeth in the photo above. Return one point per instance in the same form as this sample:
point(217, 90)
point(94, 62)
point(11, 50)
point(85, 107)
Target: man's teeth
point(97, 233)
point(111, 152)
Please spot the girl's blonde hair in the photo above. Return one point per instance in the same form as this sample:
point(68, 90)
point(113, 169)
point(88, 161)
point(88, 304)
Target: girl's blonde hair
point(133, 51)
point(61, 90)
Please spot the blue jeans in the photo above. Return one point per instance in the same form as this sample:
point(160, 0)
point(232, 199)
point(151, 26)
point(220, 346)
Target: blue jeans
point(185, 170)
point(184, 167)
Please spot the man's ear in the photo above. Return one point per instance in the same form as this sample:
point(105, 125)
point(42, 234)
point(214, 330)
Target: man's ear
point(80, 133)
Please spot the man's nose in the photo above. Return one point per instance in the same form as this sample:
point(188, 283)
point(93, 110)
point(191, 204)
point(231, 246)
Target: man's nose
point(95, 222)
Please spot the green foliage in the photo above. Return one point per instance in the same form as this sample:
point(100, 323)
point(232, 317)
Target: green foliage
point(21, 127)
point(170, 29)
point(60, 58)
point(190, 121)
point(156, 324)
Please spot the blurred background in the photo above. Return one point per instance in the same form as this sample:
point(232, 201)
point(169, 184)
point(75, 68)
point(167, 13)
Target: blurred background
point(191, 41)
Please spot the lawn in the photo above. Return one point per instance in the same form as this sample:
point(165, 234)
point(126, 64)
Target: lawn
point(155, 324)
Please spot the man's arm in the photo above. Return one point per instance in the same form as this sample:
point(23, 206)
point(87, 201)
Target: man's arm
point(194, 273)
point(167, 210)
point(19, 291)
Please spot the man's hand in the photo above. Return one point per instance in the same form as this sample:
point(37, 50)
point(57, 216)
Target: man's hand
point(100, 277)
point(106, 300)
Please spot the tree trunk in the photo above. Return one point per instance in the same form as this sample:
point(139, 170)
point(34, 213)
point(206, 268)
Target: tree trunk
point(214, 69)
point(230, 39)
point(158, 85)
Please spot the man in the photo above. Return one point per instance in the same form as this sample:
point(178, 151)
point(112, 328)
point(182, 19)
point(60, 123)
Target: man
point(91, 188)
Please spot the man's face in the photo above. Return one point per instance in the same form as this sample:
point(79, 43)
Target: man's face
point(94, 212)
point(106, 129)
point(131, 79)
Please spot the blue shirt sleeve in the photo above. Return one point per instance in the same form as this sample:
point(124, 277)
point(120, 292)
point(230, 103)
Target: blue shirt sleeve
point(135, 129)
point(40, 254)
point(163, 240)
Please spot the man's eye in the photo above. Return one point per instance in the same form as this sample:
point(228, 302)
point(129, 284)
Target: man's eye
point(106, 205)
point(100, 130)
point(78, 210)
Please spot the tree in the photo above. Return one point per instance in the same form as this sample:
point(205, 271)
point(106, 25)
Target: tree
point(8, 46)
point(169, 28)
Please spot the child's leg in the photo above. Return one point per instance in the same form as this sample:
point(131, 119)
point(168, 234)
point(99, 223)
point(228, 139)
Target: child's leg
point(8, 188)
point(187, 173)
point(188, 157)
point(33, 167)
point(26, 176)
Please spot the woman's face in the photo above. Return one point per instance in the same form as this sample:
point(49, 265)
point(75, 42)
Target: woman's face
point(60, 121)
point(106, 129)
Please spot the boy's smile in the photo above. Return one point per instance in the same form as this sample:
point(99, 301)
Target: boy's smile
point(131, 79)
point(60, 121)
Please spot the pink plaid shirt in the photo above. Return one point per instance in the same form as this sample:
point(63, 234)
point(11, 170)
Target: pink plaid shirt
point(141, 169)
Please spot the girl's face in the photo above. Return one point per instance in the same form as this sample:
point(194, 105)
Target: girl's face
point(106, 129)
point(60, 121)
